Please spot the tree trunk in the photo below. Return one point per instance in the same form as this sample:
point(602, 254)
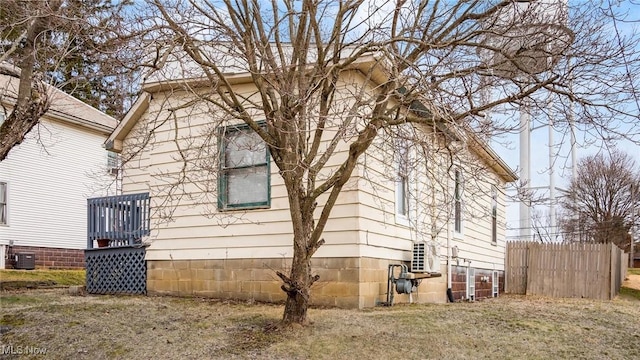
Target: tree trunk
point(31, 102)
point(297, 284)
point(298, 291)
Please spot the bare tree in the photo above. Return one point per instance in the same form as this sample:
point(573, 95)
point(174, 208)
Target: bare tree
point(67, 44)
point(426, 65)
point(599, 204)
point(31, 98)
point(542, 230)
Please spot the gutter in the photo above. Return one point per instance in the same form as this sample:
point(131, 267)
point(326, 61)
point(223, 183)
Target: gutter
point(56, 114)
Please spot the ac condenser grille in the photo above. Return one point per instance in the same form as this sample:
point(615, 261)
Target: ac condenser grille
point(25, 261)
point(419, 260)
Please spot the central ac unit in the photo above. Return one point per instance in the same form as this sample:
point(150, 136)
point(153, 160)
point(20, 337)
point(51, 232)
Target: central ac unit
point(25, 261)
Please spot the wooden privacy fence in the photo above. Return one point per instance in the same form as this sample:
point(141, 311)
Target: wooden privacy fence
point(593, 271)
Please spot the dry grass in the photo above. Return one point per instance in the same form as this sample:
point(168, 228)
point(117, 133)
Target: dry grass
point(54, 277)
point(510, 327)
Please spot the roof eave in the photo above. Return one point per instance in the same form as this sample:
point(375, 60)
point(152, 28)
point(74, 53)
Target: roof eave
point(114, 141)
point(494, 160)
point(58, 115)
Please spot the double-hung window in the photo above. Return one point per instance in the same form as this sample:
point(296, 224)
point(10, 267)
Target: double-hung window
point(112, 163)
point(3, 204)
point(243, 179)
point(112, 159)
point(457, 202)
point(494, 215)
point(402, 181)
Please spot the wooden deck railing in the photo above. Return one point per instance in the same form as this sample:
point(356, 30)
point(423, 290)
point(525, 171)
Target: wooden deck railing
point(117, 220)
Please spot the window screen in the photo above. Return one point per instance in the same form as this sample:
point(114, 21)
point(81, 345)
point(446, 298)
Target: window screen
point(244, 178)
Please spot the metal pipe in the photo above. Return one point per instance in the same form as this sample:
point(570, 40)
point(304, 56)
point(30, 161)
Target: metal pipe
point(525, 167)
point(574, 156)
point(633, 224)
point(552, 181)
point(449, 253)
point(570, 118)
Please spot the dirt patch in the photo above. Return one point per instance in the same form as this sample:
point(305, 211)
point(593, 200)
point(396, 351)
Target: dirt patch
point(632, 281)
point(20, 284)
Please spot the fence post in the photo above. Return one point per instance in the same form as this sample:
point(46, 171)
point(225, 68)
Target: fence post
point(612, 272)
point(89, 225)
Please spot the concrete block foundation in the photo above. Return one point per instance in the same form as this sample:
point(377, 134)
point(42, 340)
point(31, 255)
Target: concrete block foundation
point(344, 282)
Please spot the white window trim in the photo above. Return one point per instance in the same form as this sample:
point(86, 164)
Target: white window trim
point(459, 235)
point(402, 219)
point(8, 205)
point(471, 283)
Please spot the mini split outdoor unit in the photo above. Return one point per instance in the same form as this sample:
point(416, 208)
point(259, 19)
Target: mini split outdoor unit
point(424, 258)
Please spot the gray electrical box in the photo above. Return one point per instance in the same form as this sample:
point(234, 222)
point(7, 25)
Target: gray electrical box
point(25, 261)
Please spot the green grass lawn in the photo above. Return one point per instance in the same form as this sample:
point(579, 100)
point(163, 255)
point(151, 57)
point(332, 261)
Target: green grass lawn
point(628, 292)
point(55, 277)
point(633, 271)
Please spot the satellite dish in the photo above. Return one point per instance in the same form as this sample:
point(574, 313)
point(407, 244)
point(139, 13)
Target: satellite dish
point(525, 37)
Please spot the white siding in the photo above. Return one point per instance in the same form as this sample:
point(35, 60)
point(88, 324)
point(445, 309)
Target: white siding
point(50, 176)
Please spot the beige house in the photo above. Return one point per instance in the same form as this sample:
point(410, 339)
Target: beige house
point(225, 236)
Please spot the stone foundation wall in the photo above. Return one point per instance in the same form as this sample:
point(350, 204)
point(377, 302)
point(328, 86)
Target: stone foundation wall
point(344, 282)
point(483, 289)
point(49, 258)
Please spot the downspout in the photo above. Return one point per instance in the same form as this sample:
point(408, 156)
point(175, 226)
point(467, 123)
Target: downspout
point(449, 249)
point(449, 291)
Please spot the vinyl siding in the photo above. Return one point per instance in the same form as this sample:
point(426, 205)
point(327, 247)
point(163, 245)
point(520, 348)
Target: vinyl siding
point(50, 176)
point(196, 229)
point(429, 205)
point(187, 224)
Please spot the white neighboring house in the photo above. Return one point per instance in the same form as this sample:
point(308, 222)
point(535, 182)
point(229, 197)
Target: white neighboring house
point(45, 181)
